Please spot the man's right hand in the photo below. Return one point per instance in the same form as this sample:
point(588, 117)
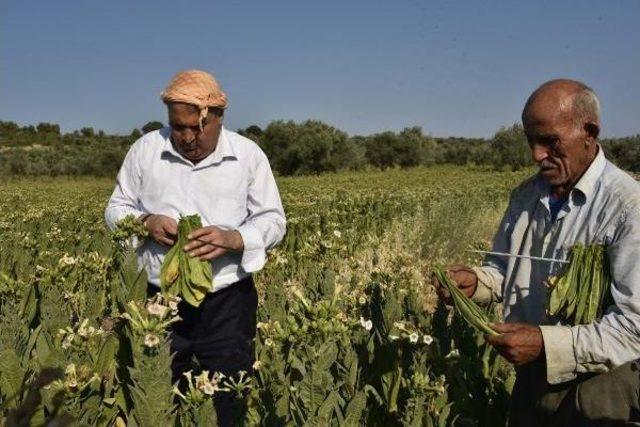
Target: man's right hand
point(162, 229)
point(463, 276)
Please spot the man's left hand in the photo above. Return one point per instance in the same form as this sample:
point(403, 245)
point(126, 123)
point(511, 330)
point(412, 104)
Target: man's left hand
point(211, 242)
point(519, 343)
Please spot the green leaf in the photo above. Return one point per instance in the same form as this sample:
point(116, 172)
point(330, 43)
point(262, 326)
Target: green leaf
point(326, 357)
point(11, 375)
point(29, 305)
point(355, 409)
point(106, 359)
point(327, 407)
point(35, 334)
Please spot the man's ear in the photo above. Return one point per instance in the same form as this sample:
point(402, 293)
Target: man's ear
point(593, 130)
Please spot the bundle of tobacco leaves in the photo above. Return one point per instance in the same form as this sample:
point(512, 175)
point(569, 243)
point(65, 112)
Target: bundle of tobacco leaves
point(578, 294)
point(182, 275)
point(469, 310)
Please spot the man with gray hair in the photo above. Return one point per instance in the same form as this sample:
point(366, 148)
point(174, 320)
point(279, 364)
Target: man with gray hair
point(566, 375)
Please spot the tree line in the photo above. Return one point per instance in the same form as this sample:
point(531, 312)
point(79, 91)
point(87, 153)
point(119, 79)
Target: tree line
point(310, 147)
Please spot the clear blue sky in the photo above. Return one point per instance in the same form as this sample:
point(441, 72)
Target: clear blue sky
point(459, 68)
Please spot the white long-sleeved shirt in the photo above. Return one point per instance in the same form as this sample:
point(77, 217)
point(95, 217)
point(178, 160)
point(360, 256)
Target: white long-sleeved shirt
point(233, 188)
point(602, 208)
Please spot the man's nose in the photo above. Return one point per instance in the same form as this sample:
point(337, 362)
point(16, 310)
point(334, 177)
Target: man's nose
point(188, 135)
point(539, 152)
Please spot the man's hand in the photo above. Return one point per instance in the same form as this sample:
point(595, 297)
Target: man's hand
point(162, 229)
point(463, 276)
point(211, 242)
point(519, 343)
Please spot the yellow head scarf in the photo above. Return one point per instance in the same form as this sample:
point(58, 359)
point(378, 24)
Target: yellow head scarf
point(197, 88)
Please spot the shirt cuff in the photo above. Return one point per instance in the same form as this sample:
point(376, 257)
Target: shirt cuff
point(254, 256)
point(559, 354)
point(484, 290)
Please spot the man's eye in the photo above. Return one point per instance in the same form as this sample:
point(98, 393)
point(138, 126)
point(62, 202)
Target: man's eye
point(181, 128)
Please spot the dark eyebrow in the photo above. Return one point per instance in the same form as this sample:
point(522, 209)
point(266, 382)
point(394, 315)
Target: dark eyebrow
point(541, 135)
point(179, 125)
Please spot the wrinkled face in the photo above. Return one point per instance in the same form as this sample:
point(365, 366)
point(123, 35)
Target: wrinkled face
point(187, 138)
point(562, 148)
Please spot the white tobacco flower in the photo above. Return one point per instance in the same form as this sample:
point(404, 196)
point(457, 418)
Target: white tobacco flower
point(413, 338)
point(83, 331)
point(67, 260)
point(453, 354)
point(156, 309)
point(337, 233)
point(368, 325)
point(151, 340)
point(202, 379)
point(427, 339)
point(66, 343)
point(268, 342)
point(257, 365)
point(362, 300)
point(209, 389)
point(173, 304)
point(177, 392)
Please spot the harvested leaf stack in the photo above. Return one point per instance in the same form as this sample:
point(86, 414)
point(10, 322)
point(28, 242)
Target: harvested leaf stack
point(578, 294)
point(469, 310)
point(182, 275)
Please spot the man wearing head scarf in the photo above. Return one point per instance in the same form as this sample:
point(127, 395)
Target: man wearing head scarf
point(196, 166)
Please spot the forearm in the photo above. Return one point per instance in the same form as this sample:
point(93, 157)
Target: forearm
point(598, 347)
point(489, 287)
point(259, 235)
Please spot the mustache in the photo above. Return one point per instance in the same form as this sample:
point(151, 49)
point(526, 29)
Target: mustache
point(545, 164)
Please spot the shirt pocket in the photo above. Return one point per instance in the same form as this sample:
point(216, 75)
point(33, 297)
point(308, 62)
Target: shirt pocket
point(227, 207)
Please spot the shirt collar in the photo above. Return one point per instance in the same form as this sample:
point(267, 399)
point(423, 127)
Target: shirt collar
point(588, 181)
point(223, 150)
point(584, 187)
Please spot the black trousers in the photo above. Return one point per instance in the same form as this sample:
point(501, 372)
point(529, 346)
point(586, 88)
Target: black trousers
point(219, 334)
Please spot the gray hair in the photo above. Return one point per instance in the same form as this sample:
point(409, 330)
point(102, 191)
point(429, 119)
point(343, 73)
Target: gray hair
point(586, 105)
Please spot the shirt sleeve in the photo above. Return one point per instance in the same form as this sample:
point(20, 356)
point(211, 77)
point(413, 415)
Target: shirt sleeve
point(615, 338)
point(124, 200)
point(266, 224)
point(491, 274)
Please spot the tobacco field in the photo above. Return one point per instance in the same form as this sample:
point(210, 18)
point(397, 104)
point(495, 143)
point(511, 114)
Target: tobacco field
point(350, 333)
